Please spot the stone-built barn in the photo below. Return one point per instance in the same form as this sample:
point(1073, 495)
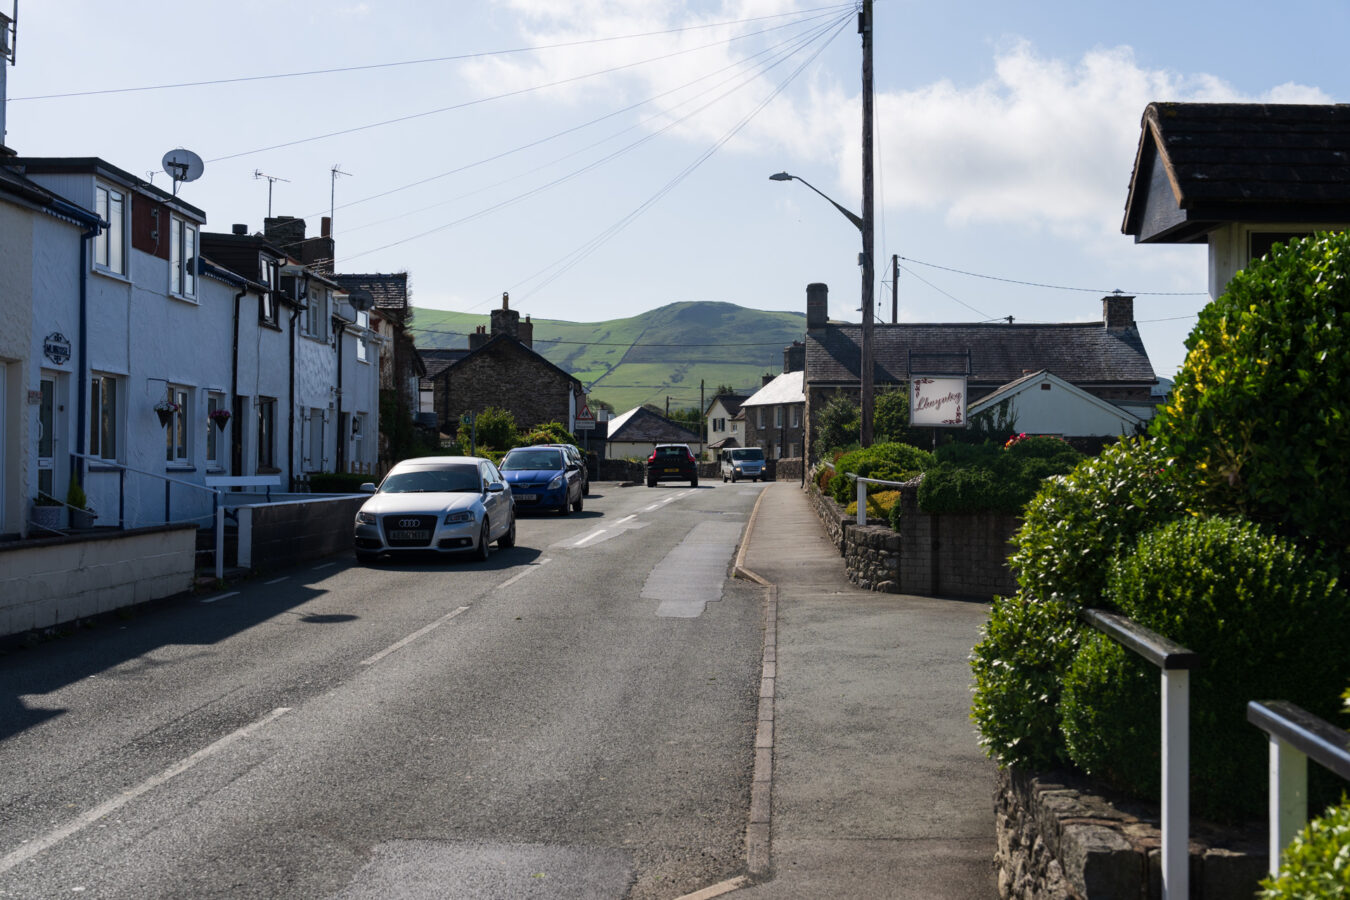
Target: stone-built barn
point(503, 370)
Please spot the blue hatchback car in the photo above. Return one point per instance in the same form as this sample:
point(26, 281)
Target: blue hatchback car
point(543, 478)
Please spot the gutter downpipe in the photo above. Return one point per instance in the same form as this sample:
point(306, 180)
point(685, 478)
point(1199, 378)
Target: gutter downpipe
point(78, 465)
point(290, 413)
point(340, 451)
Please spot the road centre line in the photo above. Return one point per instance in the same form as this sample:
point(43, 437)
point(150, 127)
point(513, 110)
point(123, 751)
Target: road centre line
point(29, 849)
point(590, 537)
point(277, 580)
point(220, 597)
point(514, 578)
point(370, 661)
point(323, 566)
point(625, 519)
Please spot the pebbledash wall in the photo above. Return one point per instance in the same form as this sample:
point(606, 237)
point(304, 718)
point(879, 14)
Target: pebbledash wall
point(947, 555)
point(54, 581)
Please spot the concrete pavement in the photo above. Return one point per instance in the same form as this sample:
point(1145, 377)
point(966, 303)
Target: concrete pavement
point(877, 787)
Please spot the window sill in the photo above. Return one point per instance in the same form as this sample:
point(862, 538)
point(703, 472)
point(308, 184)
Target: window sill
point(182, 298)
point(109, 273)
point(180, 467)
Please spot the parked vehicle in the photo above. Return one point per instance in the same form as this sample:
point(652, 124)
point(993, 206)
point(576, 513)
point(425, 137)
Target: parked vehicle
point(672, 462)
point(544, 477)
point(441, 504)
point(580, 458)
point(742, 462)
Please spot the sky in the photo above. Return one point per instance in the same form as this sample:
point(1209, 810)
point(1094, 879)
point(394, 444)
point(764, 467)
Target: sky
point(600, 158)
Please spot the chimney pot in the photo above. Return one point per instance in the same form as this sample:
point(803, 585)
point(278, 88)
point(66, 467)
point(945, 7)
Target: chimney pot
point(239, 228)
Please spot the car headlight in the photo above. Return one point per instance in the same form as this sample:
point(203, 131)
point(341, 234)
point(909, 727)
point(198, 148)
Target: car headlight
point(455, 517)
point(365, 518)
point(557, 482)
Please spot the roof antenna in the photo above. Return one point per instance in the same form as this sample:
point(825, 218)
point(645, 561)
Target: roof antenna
point(271, 180)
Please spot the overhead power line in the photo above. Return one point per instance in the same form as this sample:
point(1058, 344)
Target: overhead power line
point(824, 10)
point(1054, 287)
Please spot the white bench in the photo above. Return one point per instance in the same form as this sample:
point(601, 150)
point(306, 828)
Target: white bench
point(244, 481)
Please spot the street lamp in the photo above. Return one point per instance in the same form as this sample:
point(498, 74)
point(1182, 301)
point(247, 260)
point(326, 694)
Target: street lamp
point(865, 350)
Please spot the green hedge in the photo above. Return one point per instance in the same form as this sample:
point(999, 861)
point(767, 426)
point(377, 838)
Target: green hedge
point(1070, 532)
point(971, 478)
point(1269, 622)
point(885, 462)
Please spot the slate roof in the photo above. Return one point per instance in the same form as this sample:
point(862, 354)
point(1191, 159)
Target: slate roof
point(784, 389)
point(389, 290)
point(497, 342)
point(730, 402)
point(1203, 164)
point(640, 425)
point(1085, 354)
point(437, 360)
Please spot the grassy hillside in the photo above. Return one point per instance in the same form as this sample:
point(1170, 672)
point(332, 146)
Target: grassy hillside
point(645, 359)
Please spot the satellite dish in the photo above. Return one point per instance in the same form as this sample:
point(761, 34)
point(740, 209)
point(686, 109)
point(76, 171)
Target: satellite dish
point(182, 165)
point(360, 299)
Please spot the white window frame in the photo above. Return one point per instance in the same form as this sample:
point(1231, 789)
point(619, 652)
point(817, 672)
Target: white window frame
point(314, 438)
point(178, 433)
point(778, 417)
point(105, 423)
point(182, 259)
point(215, 437)
point(316, 313)
point(761, 416)
point(796, 416)
point(110, 246)
point(267, 303)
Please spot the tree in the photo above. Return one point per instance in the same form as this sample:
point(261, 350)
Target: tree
point(496, 429)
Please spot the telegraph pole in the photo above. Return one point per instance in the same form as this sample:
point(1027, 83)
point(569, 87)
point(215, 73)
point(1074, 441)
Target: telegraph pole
point(868, 277)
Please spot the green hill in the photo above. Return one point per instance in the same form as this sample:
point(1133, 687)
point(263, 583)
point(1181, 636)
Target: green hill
point(660, 354)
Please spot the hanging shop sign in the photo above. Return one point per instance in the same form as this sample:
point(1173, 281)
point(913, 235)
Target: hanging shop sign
point(937, 401)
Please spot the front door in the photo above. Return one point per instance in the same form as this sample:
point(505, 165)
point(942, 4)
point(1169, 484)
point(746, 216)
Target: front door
point(46, 438)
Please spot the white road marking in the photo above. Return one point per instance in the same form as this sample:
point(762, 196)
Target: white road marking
point(590, 537)
point(514, 578)
point(277, 580)
point(323, 566)
point(625, 519)
point(29, 849)
point(370, 661)
point(220, 597)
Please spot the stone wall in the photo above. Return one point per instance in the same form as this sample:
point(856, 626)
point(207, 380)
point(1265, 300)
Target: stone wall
point(1058, 839)
point(934, 555)
point(489, 378)
point(49, 582)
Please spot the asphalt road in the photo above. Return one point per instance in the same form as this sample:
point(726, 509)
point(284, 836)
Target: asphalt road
point(574, 718)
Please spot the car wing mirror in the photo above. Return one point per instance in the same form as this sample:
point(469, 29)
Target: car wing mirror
point(367, 488)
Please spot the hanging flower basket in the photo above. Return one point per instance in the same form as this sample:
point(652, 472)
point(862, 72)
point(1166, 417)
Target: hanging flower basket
point(165, 409)
point(219, 416)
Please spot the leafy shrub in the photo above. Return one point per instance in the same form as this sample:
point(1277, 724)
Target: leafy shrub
point(884, 462)
point(496, 428)
point(1027, 645)
point(1260, 411)
point(988, 478)
point(1268, 620)
point(879, 505)
point(1317, 862)
point(1070, 532)
point(548, 433)
point(838, 424)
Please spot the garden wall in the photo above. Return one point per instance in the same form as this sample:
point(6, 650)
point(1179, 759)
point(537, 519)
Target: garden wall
point(945, 555)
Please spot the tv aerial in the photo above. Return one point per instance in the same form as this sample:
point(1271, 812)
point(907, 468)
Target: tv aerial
point(182, 165)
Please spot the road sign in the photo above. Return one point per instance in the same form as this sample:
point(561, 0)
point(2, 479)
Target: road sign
point(585, 419)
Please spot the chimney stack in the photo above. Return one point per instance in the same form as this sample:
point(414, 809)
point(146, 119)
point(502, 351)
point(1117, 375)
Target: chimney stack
point(239, 228)
point(794, 357)
point(1117, 312)
point(817, 305)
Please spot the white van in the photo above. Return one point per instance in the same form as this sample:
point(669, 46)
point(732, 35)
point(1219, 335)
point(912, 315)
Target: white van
point(742, 462)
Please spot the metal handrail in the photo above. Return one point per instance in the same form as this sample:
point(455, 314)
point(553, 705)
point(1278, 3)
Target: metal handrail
point(1176, 663)
point(1296, 736)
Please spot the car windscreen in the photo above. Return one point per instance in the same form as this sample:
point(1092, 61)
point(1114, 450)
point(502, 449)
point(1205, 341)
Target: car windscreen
point(755, 453)
point(530, 460)
point(446, 479)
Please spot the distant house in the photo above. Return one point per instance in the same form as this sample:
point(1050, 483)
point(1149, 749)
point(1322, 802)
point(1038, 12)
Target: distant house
point(634, 434)
point(1238, 177)
point(723, 428)
point(1105, 359)
point(501, 369)
point(1043, 403)
point(774, 416)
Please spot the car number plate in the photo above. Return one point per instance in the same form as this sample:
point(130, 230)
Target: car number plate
point(408, 534)
point(528, 498)
point(669, 470)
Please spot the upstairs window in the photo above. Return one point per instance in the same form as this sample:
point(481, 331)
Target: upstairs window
point(316, 314)
point(110, 245)
point(182, 259)
point(267, 306)
point(363, 323)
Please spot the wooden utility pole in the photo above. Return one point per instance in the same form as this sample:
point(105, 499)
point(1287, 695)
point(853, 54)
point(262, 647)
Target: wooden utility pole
point(868, 277)
point(895, 288)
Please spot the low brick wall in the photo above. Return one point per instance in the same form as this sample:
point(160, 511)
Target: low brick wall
point(1057, 839)
point(275, 535)
point(934, 555)
point(49, 582)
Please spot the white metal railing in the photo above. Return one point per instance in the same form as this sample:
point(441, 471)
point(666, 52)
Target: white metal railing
point(1296, 736)
point(217, 519)
point(1176, 663)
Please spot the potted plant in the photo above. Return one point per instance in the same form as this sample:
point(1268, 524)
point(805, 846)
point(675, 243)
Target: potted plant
point(219, 416)
point(165, 409)
point(81, 516)
point(47, 512)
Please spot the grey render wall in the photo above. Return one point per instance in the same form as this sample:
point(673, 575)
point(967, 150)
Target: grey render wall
point(275, 535)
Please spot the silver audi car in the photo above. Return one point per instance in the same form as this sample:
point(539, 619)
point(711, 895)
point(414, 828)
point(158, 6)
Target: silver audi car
point(438, 504)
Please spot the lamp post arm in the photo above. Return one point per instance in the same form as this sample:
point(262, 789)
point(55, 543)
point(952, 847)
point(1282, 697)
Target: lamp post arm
point(856, 220)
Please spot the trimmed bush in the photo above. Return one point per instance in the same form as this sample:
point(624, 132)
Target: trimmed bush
point(885, 462)
point(880, 505)
point(1268, 619)
point(988, 478)
point(1317, 862)
point(1071, 530)
point(1260, 413)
